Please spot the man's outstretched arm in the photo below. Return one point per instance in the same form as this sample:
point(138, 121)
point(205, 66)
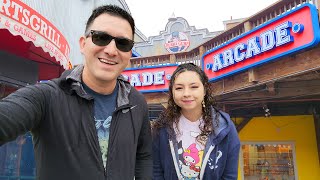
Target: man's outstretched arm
point(20, 112)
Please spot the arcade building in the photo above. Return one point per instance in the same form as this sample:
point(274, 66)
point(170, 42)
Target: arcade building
point(265, 72)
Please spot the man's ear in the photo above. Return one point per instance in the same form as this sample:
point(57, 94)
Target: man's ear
point(82, 43)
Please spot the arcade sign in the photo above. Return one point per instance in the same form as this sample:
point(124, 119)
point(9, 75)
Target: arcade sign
point(284, 35)
point(151, 78)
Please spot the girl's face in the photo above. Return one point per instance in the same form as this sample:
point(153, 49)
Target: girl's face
point(188, 92)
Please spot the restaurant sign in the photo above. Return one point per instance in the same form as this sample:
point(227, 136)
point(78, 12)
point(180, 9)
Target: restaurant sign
point(177, 42)
point(22, 20)
point(284, 35)
point(150, 79)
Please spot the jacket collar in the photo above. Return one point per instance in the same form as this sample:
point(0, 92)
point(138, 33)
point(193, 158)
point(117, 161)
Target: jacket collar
point(75, 79)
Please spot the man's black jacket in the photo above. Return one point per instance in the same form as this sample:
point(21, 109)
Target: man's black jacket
point(60, 116)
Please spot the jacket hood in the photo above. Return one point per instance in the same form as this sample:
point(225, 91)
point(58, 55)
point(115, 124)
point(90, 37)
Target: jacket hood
point(223, 127)
point(73, 79)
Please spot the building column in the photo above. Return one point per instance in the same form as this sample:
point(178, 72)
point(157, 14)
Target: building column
point(173, 59)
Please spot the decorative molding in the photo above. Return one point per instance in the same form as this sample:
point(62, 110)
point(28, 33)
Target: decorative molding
point(190, 30)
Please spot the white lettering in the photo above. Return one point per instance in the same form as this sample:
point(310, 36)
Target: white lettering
point(238, 55)
point(17, 9)
point(217, 62)
point(5, 6)
point(25, 17)
point(253, 47)
point(35, 25)
point(283, 33)
point(268, 41)
point(158, 78)
point(228, 58)
point(43, 29)
point(135, 80)
point(147, 79)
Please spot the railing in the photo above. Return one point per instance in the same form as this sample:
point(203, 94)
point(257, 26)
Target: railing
point(194, 55)
point(150, 61)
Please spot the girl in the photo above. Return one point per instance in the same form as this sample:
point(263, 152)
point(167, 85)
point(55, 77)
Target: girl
point(193, 140)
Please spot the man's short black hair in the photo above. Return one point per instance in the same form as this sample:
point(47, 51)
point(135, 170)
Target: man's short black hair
point(111, 10)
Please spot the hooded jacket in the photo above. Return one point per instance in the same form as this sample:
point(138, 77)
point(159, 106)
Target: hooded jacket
point(60, 116)
point(221, 154)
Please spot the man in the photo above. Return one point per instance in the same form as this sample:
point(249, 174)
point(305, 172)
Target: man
point(89, 123)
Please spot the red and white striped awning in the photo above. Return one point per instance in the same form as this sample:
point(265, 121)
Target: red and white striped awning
point(21, 20)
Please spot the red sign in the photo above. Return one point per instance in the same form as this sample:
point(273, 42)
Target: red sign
point(150, 79)
point(177, 42)
point(284, 35)
point(22, 20)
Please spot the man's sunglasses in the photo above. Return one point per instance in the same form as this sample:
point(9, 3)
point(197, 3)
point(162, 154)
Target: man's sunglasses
point(101, 38)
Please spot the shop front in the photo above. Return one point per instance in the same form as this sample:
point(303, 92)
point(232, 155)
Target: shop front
point(268, 80)
point(277, 114)
point(32, 50)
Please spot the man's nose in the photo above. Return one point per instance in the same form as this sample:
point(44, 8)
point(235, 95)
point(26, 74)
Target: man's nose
point(111, 48)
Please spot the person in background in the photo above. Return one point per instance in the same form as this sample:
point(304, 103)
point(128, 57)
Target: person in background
point(193, 140)
point(89, 123)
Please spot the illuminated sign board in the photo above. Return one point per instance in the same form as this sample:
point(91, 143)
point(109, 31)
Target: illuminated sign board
point(284, 35)
point(150, 79)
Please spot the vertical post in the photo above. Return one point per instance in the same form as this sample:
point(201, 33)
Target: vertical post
point(247, 26)
point(202, 50)
point(173, 59)
point(253, 77)
point(251, 72)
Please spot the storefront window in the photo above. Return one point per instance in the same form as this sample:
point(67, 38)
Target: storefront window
point(268, 161)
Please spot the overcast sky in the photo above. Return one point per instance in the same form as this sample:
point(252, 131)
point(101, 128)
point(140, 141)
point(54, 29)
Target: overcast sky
point(151, 16)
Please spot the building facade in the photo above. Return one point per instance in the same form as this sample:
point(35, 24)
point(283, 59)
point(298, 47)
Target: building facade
point(265, 73)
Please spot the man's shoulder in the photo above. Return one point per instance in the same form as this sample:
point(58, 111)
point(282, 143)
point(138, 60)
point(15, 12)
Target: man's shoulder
point(135, 95)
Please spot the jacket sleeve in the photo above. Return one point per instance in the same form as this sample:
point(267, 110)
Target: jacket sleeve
point(143, 169)
point(231, 168)
point(20, 112)
point(157, 167)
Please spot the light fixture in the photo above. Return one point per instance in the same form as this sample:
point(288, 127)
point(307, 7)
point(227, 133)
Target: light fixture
point(266, 111)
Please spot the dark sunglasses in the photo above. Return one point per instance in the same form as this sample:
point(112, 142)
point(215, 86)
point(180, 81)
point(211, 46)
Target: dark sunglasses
point(100, 38)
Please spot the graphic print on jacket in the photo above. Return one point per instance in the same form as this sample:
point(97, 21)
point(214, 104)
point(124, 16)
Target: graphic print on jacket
point(190, 151)
point(104, 106)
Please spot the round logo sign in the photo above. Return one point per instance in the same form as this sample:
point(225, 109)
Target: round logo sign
point(177, 42)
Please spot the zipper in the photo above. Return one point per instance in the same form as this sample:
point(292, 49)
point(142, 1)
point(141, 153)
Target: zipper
point(205, 161)
point(115, 117)
point(175, 160)
point(96, 136)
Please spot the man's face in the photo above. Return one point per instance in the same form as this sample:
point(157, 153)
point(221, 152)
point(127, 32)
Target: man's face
point(103, 64)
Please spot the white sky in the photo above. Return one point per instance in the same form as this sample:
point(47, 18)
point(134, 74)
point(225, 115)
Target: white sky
point(151, 16)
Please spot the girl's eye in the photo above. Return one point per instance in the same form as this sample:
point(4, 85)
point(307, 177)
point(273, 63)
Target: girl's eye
point(178, 88)
point(194, 87)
